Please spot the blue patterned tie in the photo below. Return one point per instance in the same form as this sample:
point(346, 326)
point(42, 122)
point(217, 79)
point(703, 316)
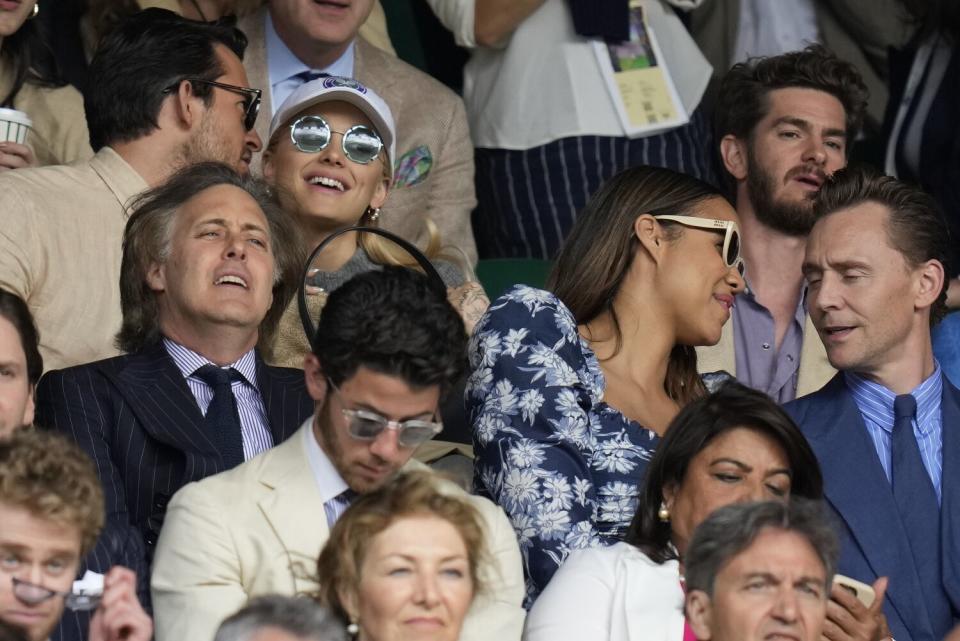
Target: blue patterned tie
point(913, 490)
point(336, 506)
point(307, 76)
point(223, 418)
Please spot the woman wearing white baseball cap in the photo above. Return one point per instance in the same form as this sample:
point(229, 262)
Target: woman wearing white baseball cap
point(330, 157)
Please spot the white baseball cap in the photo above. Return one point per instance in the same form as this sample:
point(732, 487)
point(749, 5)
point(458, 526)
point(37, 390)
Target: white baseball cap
point(348, 90)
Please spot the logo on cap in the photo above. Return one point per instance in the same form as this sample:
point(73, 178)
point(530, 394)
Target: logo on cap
point(340, 81)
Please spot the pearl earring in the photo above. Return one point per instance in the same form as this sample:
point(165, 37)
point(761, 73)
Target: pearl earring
point(353, 629)
point(663, 513)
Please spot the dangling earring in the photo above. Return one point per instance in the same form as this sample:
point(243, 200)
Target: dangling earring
point(36, 10)
point(663, 513)
point(353, 629)
point(374, 214)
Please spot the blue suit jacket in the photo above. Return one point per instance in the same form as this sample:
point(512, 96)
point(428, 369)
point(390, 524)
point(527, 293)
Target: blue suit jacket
point(874, 542)
point(137, 419)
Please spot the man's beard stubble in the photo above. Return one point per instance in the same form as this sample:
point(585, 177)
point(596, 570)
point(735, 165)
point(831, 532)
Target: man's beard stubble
point(790, 218)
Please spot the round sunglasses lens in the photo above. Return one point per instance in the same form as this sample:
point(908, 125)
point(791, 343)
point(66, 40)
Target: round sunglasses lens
point(310, 134)
point(733, 250)
point(413, 435)
point(362, 145)
point(365, 428)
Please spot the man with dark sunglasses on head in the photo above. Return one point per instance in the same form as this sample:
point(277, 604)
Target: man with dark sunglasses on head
point(387, 349)
point(164, 92)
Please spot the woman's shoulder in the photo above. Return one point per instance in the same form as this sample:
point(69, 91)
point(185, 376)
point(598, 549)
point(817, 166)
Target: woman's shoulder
point(612, 556)
point(534, 308)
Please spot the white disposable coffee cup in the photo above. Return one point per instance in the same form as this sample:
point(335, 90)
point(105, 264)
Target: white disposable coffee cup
point(14, 125)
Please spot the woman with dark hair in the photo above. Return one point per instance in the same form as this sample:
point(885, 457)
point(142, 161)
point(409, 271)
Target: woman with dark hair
point(572, 388)
point(20, 364)
point(733, 446)
point(29, 83)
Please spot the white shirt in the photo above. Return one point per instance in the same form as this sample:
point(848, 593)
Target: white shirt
point(773, 27)
point(283, 65)
point(544, 83)
point(329, 482)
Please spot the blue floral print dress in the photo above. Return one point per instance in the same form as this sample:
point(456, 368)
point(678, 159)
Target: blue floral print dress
point(565, 466)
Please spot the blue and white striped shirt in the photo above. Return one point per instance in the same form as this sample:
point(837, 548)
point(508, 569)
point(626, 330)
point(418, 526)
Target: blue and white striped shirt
point(253, 415)
point(876, 407)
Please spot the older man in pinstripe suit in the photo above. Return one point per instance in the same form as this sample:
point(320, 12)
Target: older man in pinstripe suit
point(207, 269)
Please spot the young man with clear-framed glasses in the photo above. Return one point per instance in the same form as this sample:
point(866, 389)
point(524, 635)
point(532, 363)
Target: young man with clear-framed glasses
point(51, 512)
point(389, 346)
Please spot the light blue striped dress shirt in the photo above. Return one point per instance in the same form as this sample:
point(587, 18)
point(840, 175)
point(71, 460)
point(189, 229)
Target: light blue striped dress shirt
point(253, 415)
point(876, 407)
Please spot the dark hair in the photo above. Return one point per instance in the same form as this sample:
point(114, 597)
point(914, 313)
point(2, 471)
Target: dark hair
point(393, 321)
point(732, 529)
point(137, 63)
point(730, 407)
point(15, 310)
point(147, 238)
point(300, 617)
point(742, 101)
point(32, 61)
point(916, 226)
point(600, 248)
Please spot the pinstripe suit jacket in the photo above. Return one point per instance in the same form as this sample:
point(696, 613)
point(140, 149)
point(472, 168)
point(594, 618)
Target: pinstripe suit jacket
point(137, 419)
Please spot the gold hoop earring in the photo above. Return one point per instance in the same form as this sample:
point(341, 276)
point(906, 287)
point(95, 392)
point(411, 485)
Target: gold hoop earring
point(663, 513)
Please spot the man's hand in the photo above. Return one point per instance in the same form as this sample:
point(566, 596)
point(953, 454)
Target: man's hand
point(849, 620)
point(470, 301)
point(14, 156)
point(120, 617)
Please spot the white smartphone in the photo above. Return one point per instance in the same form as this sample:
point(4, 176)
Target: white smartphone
point(862, 591)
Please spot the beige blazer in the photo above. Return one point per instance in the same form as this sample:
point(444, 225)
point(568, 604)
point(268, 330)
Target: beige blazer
point(427, 114)
point(259, 528)
point(859, 31)
point(815, 369)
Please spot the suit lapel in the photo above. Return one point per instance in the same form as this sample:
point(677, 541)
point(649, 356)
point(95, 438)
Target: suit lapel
point(156, 392)
point(294, 509)
point(285, 399)
point(857, 488)
point(950, 498)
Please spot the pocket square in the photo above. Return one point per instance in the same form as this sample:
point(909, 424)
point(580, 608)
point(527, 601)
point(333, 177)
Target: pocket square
point(413, 167)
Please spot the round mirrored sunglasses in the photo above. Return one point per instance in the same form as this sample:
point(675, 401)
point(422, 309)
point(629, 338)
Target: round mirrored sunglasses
point(312, 134)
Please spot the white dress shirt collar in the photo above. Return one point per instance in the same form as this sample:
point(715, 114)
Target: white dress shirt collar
point(329, 482)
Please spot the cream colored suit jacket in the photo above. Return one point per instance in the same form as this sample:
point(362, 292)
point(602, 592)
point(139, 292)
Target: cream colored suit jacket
point(259, 528)
point(815, 369)
point(427, 114)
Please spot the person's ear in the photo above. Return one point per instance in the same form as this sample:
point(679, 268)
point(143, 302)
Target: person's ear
point(669, 494)
point(267, 165)
point(156, 277)
point(699, 611)
point(650, 235)
point(734, 153)
point(931, 279)
point(380, 193)
point(188, 107)
point(30, 407)
point(314, 377)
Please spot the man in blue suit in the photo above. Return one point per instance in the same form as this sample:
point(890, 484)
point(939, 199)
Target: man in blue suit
point(886, 429)
point(209, 264)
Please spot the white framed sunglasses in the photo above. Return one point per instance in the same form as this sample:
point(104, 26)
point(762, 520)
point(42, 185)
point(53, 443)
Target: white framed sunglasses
point(731, 235)
point(312, 134)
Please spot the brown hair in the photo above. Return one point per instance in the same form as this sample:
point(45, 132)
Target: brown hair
point(147, 238)
point(410, 494)
point(743, 98)
point(601, 246)
point(916, 226)
point(52, 479)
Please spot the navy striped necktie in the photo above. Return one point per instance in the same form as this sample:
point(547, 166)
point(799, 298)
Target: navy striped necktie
point(223, 417)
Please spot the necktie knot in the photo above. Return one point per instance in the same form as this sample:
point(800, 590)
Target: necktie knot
point(904, 407)
point(310, 75)
point(217, 376)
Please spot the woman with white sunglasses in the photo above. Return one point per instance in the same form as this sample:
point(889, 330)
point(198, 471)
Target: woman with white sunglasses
point(329, 156)
point(572, 388)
